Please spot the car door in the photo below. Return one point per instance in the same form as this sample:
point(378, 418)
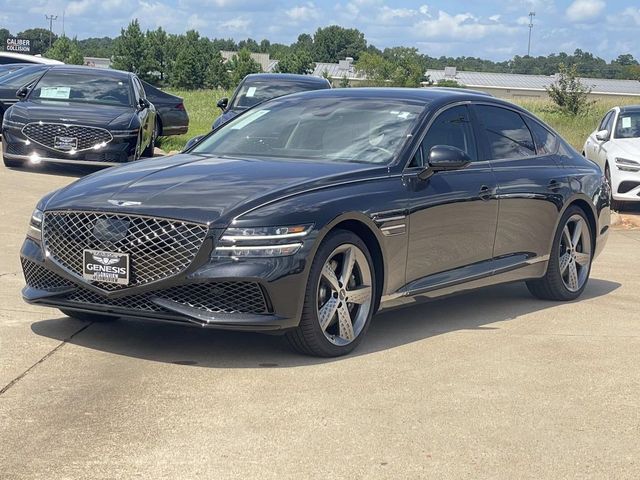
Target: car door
point(531, 182)
point(453, 214)
point(592, 144)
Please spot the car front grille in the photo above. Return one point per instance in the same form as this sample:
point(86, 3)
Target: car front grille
point(158, 248)
point(45, 133)
point(15, 148)
point(216, 297)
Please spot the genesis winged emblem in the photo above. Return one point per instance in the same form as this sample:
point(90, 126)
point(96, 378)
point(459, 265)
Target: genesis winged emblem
point(105, 260)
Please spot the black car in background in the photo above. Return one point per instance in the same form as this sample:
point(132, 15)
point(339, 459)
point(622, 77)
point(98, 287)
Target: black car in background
point(14, 80)
point(307, 213)
point(260, 87)
point(81, 115)
point(172, 114)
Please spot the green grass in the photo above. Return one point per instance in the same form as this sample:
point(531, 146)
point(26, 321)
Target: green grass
point(201, 105)
point(202, 109)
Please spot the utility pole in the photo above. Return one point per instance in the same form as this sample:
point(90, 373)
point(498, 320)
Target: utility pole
point(51, 18)
point(531, 15)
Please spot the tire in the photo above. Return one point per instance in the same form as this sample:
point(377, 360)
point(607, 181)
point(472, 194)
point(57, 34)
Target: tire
point(344, 323)
point(570, 261)
point(148, 152)
point(614, 204)
point(88, 317)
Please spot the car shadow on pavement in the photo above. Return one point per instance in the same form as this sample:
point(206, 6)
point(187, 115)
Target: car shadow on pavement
point(187, 345)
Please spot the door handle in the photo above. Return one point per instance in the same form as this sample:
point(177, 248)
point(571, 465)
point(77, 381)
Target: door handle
point(554, 185)
point(485, 193)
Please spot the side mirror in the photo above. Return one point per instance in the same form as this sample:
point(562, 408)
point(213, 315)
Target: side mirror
point(192, 142)
point(602, 135)
point(443, 158)
point(144, 103)
point(222, 103)
point(22, 93)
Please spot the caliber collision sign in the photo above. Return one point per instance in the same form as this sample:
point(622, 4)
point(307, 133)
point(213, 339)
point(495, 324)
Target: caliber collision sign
point(18, 45)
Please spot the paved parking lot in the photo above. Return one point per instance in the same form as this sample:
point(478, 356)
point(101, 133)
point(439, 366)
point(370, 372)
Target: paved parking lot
point(492, 384)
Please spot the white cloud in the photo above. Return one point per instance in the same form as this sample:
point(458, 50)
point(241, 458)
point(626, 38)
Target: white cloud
point(303, 13)
point(461, 27)
point(236, 24)
point(424, 9)
point(495, 18)
point(196, 22)
point(388, 15)
point(585, 10)
point(79, 7)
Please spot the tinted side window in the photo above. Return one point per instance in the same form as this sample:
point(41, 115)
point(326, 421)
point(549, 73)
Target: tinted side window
point(604, 121)
point(546, 142)
point(609, 124)
point(20, 79)
point(452, 127)
point(506, 133)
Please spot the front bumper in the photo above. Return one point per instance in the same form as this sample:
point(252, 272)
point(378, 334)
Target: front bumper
point(255, 296)
point(625, 185)
point(16, 146)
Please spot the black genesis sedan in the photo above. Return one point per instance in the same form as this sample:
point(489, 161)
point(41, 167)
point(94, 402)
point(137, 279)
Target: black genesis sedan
point(171, 113)
point(260, 87)
point(79, 115)
point(307, 213)
point(13, 80)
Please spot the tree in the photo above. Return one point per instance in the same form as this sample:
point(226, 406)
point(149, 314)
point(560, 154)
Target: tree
point(399, 67)
point(344, 82)
point(157, 50)
point(568, 93)
point(334, 43)
point(130, 52)
point(96, 47)
point(39, 39)
point(296, 62)
point(4, 34)
point(242, 65)
point(249, 44)
point(217, 75)
point(192, 61)
point(625, 60)
point(66, 51)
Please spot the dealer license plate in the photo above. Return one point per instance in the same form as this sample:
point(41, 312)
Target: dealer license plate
point(107, 267)
point(65, 143)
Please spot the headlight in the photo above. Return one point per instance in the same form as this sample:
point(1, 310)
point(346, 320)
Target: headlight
point(627, 165)
point(10, 123)
point(261, 242)
point(35, 225)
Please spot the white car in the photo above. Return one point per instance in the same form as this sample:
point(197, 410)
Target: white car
point(615, 146)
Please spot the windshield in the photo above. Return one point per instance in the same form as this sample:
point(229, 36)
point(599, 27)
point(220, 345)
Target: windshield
point(364, 130)
point(628, 125)
point(254, 92)
point(85, 88)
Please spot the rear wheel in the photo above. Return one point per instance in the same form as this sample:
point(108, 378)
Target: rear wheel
point(339, 298)
point(88, 317)
point(570, 262)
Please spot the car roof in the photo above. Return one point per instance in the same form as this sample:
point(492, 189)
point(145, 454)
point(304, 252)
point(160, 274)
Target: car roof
point(288, 77)
point(630, 108)
point(102, 72)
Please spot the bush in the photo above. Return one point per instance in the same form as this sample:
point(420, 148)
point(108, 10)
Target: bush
point(568, 93)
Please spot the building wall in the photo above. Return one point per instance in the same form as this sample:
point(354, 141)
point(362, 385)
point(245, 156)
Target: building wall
point(514, 94)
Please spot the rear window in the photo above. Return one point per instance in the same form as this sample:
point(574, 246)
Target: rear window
point(255, 92)
point(506, 133)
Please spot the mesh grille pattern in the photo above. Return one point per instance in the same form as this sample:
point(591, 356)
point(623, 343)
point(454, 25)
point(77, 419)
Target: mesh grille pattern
point(158, 248)
point(218, 297)
point(39, 277)
point(45, 133)
point(15, 148)
point(215, 297)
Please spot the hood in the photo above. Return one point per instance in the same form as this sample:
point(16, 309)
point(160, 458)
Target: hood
point(69, 112)
point(201, 188)
point(629, 147)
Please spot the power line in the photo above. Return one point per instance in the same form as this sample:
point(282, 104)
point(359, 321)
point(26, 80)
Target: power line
point(51, 18)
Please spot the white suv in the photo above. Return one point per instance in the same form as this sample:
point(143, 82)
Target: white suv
point(615, 146)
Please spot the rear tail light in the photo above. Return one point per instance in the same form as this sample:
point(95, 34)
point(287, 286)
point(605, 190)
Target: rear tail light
point(180, 106)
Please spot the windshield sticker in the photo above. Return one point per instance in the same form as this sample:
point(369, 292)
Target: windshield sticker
point(626, 122)
point(55, 92)
point(252, 117)
point(251, 92)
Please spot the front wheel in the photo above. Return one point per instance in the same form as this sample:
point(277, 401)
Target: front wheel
point(339, 299)
point(570, 262)
point(148, 152)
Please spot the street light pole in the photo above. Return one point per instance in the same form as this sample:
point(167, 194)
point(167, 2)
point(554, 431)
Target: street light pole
point(51, 18)
point(531, 15)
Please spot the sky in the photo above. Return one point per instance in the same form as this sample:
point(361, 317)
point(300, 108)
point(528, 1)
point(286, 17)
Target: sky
point(491, 29)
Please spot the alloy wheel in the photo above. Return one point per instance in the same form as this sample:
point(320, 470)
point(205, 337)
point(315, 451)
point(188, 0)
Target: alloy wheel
point(575, 253)
point(344, 297)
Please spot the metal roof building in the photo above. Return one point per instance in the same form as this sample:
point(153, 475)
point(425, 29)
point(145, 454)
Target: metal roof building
point(508, 85)
point(335, 72)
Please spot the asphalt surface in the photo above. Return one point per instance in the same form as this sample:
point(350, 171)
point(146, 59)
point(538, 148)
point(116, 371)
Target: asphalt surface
point(491, 384)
